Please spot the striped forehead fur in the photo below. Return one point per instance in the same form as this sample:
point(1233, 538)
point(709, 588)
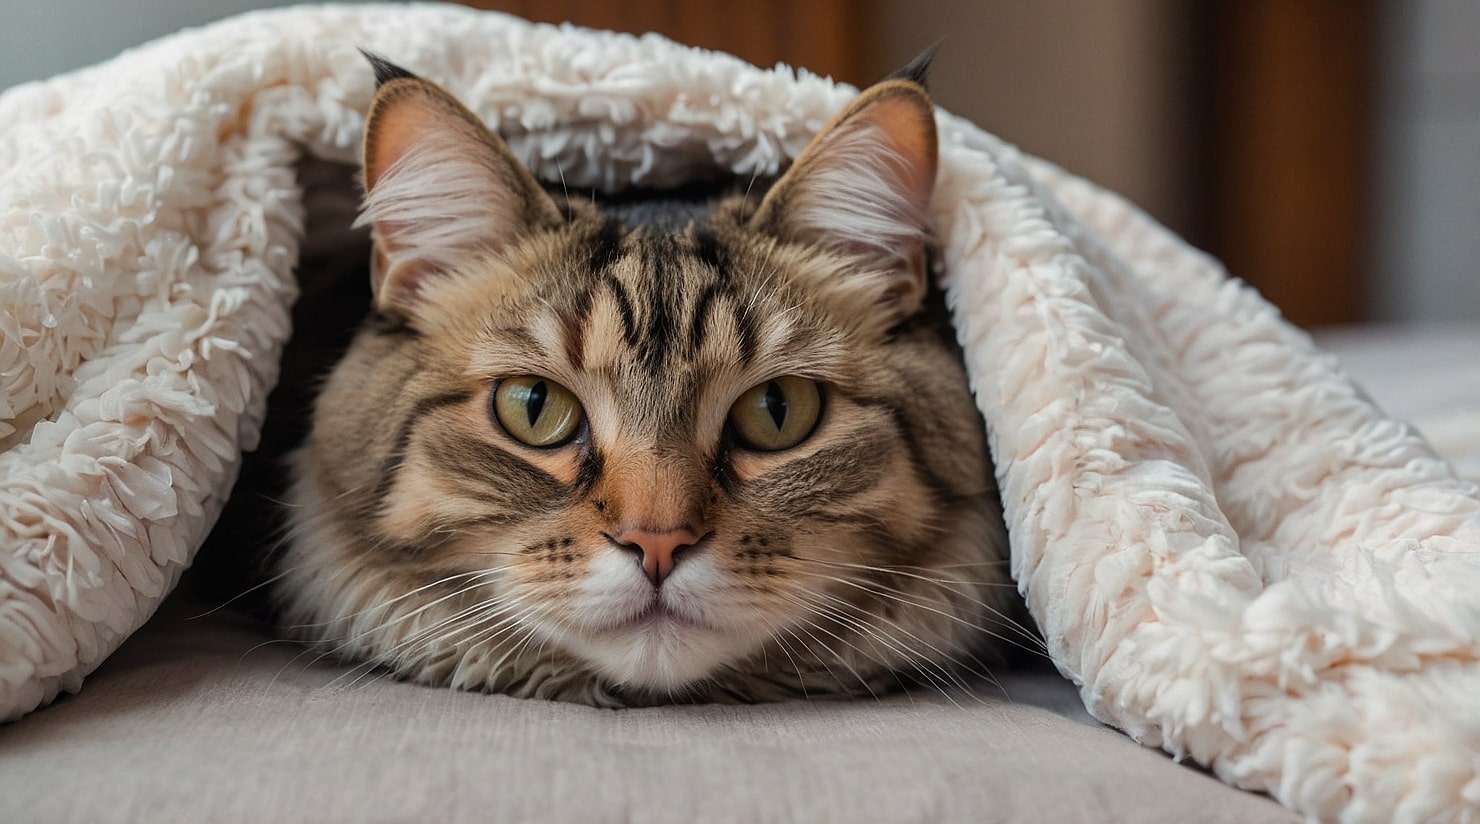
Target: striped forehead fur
point(665, 284)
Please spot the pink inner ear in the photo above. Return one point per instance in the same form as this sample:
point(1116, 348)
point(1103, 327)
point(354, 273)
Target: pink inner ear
point(866, 187)
point(863, 188)
point(910, 128)
point(392, 131)
point(439, 193)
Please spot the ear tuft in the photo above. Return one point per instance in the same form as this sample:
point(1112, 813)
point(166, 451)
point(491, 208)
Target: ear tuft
point(385, 70)
point(917, 71)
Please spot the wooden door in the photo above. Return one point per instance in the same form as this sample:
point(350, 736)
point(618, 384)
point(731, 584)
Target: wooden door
point(1289, 150)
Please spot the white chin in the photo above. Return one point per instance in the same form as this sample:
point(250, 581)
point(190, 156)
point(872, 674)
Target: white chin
point(661, 655)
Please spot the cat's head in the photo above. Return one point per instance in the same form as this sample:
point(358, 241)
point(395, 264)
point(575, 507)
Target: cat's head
point(645, 453)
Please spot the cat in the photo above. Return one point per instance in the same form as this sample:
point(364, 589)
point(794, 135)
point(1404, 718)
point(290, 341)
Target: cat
point(702, 449)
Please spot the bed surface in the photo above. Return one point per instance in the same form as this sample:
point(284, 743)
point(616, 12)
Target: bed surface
point(203, 717)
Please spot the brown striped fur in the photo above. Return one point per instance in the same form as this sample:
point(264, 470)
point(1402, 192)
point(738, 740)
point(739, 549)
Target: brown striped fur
point(428, 541)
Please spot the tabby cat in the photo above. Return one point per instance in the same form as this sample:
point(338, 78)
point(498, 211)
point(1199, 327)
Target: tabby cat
point(640, 452)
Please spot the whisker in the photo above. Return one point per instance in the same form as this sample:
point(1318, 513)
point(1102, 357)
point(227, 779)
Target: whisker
point(244, 593)
point(414, 645)
point(1038, 647)
point(842, 688)
point(835, 614)
point(914, 658)
point(904, 571)
point(402, 654)
point(801, 679)
point(382, 605)
point(814, 625)
point(879, 589)
point(560, 169)
point(472, 614)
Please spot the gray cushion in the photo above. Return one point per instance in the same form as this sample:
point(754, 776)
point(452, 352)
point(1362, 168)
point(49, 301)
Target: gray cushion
point(208, 719)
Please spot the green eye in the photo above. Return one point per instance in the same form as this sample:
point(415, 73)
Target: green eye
point(536, 411)
point(777, 414)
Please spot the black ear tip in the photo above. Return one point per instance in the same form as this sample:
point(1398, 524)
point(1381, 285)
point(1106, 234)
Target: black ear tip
point(385, 70)
point(918, 70)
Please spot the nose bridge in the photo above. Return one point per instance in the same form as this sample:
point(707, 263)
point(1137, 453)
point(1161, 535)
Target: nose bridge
point(655, 504)
point(675, 493)
point(656, 487)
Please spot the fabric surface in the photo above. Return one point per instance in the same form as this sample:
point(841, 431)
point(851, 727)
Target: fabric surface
point(1428, 376)
point(204, 719)
point(1233, 554)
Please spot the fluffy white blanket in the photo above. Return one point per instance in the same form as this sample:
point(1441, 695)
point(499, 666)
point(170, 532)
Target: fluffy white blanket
point(1231, 551)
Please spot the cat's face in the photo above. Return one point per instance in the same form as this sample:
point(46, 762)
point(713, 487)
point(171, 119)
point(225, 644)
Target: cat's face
point(607, 459)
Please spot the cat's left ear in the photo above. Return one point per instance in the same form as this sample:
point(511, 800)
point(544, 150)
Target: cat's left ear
point(863, 187)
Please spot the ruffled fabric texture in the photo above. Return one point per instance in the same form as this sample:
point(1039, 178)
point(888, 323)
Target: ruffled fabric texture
point(1234, 554)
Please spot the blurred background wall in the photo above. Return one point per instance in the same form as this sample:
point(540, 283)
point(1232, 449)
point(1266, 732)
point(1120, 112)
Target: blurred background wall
point(1327, 150)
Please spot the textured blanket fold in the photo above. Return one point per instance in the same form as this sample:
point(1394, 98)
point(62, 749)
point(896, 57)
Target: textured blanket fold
point(1233, 552)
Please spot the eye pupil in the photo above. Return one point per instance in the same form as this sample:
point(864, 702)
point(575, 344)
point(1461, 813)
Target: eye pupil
point(535, 404)
point(775, 402)
point(535, 411)
point(777, 414)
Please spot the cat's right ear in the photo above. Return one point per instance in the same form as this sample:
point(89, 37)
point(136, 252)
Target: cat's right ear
point(441, 190)
point(862, 188)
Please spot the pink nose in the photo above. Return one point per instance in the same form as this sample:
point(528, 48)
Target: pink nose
point(659, 548)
